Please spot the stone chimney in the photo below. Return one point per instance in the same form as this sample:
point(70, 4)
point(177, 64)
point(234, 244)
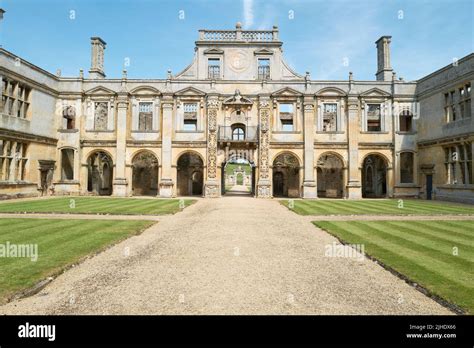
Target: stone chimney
point(97, 58)
point(384, 70)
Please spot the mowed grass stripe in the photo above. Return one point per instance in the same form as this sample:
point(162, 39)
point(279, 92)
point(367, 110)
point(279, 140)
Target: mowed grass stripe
point(60, 243)
point(417, 266)
point(378, 207)
point(95, 205)
point(431, 231)
point(466, 252)
point(442, 263)
point(26, 233)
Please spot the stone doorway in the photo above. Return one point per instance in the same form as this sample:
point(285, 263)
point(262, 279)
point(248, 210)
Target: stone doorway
point(374, 177)
point(330, 176)
point(100, 174)
point(238, 177)
point(190, 175)
point(46, 169)
point(286, 176)
point(145, 174)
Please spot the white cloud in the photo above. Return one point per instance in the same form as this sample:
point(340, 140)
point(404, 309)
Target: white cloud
point(248, 13)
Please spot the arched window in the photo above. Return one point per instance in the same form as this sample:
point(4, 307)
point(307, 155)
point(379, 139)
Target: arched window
point(238, 133)
point(406, 167)
point(406, 119)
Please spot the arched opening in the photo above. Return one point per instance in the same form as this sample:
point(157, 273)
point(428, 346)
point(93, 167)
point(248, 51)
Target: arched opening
point(374, 177)
point(189, 175)
point(238, 176)
point(330, 176)
point(100, 173)
point(145, 174)
point(286, 176)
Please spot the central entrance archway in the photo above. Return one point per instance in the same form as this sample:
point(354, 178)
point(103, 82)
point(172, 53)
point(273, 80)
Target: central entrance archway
point(190, 175)
point(238, 177)
point(286, 176)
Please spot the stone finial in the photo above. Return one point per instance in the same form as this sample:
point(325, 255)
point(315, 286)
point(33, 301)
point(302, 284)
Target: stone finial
point(97, 58)
point(2, 11)
point(351, 76)
point(81, 73)
point(169, 76)
point(124, 73)
point(58, 72)
point(238, 25)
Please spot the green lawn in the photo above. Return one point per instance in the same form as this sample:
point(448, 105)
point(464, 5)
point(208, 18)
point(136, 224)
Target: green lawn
point(229, 168)
point(378, 207)
point(95, 205)
point(60, 243)
point(421, 250)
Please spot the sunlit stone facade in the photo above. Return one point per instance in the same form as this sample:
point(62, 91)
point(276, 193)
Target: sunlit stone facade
point(238, 98)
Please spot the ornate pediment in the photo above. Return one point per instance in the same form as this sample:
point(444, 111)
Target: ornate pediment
point(330, 92)
point(237, 99)
point(287, 92)
point(99, 90)
point(375, 92)
point(145, 90)
point(213, 51)
point(263, 52)
point(191, 92)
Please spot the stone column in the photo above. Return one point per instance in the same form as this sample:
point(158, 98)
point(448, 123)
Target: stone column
point(309, 184)
point(120, 181)
point(212, 183)
point(263, 183)
point(390, 181)
point(166, 182)
point(353, 184)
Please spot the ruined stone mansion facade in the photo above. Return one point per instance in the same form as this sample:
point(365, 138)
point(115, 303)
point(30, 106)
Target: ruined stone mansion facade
point(237, 99)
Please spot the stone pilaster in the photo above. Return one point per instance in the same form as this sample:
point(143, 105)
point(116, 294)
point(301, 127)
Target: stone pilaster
point(353, 185)
point(212, 184)
point(120, 181)
point(166, 182)
point(309, 184)
point(264, 183)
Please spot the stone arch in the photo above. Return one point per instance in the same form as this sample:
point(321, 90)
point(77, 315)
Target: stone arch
point(374, 176)
point(100, 173)
point(145, 174)
point(190, 174)
point(330, 178)
point(286, 175)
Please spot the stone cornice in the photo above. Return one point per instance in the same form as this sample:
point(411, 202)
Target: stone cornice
point(20, 136)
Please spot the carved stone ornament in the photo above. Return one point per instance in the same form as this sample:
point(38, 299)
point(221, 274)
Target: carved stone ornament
point(308, 107)
point(213, 103)
point(264, 104)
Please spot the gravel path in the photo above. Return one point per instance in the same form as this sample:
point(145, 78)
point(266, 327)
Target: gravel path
point(234, 255)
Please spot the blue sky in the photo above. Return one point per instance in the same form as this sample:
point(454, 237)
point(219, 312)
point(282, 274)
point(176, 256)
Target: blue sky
point(318, 36)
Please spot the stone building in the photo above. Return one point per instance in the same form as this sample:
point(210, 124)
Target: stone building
point(237, 99)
